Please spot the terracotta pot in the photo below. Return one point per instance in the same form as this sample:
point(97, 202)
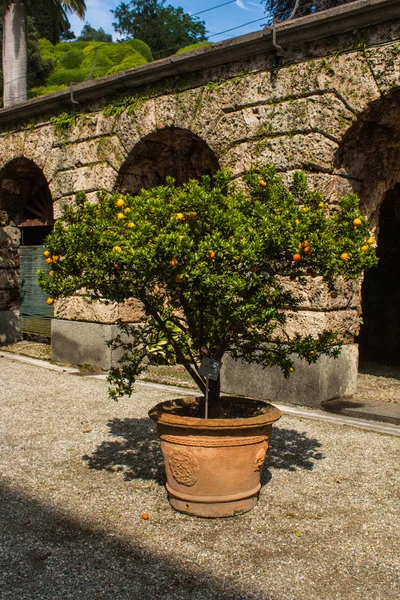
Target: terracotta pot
point(213, 466)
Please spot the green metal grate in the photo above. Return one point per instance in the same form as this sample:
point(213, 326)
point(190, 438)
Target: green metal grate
point(35, 314)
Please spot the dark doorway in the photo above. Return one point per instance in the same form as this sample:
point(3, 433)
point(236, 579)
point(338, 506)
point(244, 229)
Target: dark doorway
point(380, 334)
point(25, 197)
point(173, 152)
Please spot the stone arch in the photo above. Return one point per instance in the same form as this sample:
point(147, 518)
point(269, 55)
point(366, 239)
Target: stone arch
point(26, 218)
point(370, 156)
point(171, 151)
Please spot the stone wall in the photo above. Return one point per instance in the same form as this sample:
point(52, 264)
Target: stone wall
point(315, 104)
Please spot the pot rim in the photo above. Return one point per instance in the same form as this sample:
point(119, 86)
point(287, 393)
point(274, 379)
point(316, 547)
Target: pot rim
point(162, 417)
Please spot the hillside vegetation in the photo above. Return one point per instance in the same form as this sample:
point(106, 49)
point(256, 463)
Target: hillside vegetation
point(74, 61)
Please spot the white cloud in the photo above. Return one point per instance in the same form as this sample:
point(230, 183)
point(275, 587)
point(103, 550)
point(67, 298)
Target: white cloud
point(242, 5)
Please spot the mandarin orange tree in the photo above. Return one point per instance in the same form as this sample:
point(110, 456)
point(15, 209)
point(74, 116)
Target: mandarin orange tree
point(207, 261)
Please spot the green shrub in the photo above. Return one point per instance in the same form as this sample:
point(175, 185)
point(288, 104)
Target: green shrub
point(65, 76)
point(46, 49)
point(133, 60)
point(193, 47)
point(72, 59)
point(141, 47)
point(42, 90)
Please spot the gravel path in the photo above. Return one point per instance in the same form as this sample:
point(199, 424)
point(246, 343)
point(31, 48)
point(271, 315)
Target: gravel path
point(78, 471)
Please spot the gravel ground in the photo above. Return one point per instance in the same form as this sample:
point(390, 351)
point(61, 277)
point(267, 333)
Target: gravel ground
point(78, 471)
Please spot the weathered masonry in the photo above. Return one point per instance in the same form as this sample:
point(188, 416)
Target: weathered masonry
point(325, 99)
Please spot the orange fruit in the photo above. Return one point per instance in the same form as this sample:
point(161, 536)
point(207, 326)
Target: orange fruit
point(127, 210)
point(357, 222)
point(46, 253)
point(120, 216)
point(117, 249)
point(50, 301)
point(370, 240)
point(297, 221)
point(211, 254)
point(55, 258)
point(49, 260)
point(116, 266)
point(321, 205)
point(192, 214)
point(51, 273)
point(291, 369)
point(173, 262)
point(296, 257)
point(365, 248)
point(262, 183)
point(180, 217)
point(344, 256)
point(131, 224)
point(306, 250)
point(120, 203)
point(145, 516)
point(304, 244)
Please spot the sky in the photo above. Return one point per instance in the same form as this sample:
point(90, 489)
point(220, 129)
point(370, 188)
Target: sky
point(226, 17)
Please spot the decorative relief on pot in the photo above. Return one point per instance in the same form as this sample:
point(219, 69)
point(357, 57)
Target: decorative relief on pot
point(213, 442)
point(184, 467)
point(259, 459)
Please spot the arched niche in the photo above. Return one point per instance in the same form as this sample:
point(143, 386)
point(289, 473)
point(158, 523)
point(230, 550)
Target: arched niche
point(370, 157)
point(380, 334)
point(174, 152)
point(26, 210)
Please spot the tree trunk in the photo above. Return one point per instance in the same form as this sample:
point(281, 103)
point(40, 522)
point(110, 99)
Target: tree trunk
point(214, 399)
point(14, 53)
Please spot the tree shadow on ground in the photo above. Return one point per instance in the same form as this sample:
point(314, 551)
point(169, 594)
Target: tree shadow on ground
point(290, 450)
point(136, 451)
point(49, 555)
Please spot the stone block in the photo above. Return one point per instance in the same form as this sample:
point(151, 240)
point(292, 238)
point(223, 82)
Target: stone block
point(81, 343)
point(385, 65)
point(100, 176)
point(309, 385)
point(76, 308)
point(313, 151)
point(9, 258)
point(9, 279)
point(9, 299)
point(131, 311)
point(345, 323)
point(91, 197)
point(126, 129)
point(38, 144)
point(332, 187)
point(9, 327)
point(314, 294)
point(10, 237)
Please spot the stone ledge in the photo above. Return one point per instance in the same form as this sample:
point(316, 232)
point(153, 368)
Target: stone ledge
point(371, 410)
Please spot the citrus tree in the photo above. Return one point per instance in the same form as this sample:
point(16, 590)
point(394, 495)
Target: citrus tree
point(208, 261)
